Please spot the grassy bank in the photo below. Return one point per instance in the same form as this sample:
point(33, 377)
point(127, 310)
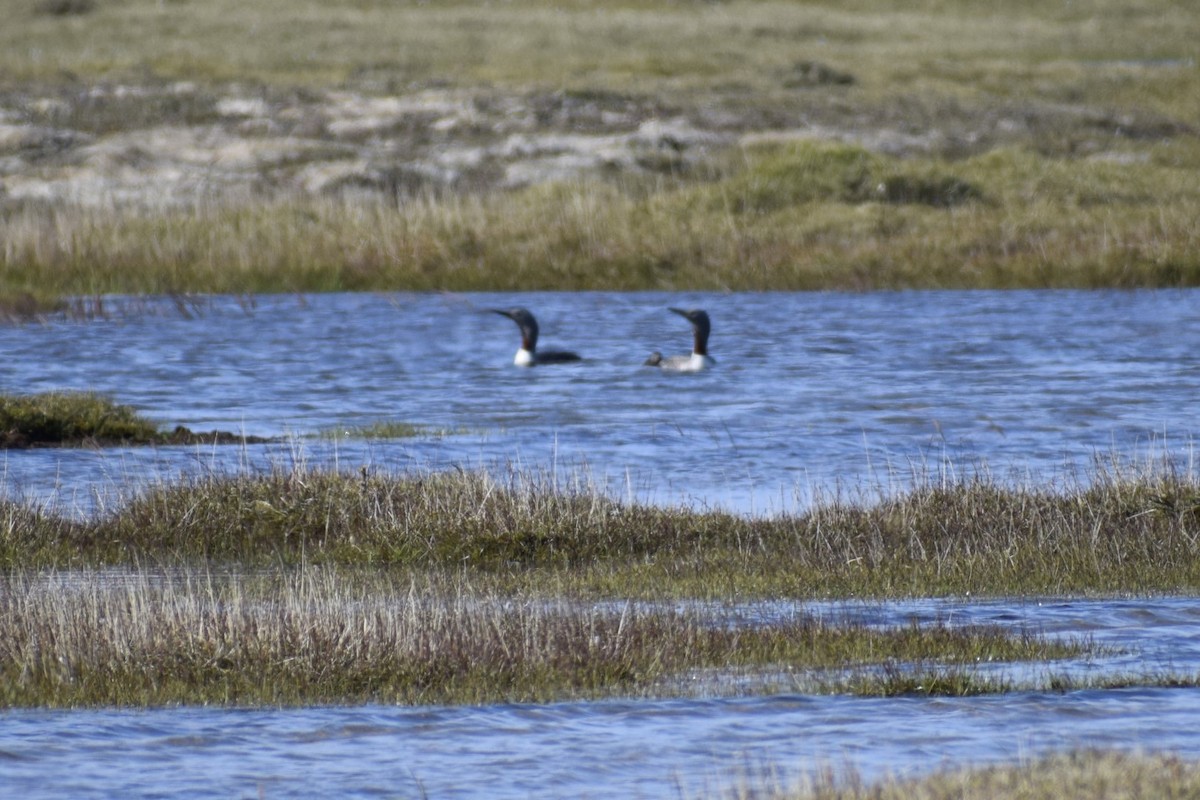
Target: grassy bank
point(860, 146)
point(791, 217)
point(1118, 534)
point(960, 49)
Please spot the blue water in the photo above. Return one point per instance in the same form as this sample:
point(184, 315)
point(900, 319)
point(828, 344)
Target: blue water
point(624, 748)
point(813, 393)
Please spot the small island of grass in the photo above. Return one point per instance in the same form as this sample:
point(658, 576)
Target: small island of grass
point(88, 419)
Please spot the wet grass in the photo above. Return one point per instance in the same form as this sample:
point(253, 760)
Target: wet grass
point(380, 430)
point(1096, 774)
point(939, 678)
point(307, 586)
point(1118, 533)
point(320, 635)
point(88, 419)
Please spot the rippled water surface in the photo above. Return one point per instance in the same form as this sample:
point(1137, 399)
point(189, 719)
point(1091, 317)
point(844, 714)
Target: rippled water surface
point(627, 749)
point(811, 391)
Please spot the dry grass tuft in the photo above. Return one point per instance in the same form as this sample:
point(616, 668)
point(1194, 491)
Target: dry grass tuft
point(318, 635)
point(1095, 774)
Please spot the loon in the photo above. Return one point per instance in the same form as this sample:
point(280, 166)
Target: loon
point(529, 355)
point(699, 359)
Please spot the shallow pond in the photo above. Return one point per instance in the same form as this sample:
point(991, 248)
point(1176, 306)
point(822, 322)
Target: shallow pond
point(813, 392)
point(849, 392)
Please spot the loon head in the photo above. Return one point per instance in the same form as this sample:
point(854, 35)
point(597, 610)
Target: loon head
point(529, 355)
point(526, 322)
point(701, 327)
point(696, 361)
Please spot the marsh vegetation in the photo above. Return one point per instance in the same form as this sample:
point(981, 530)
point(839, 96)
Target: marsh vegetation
point(1087, 773)
point(740, 145)
point(316, 586)
point(531, 145)
point(324, 635)
point(87, 419)
point(1120, 533)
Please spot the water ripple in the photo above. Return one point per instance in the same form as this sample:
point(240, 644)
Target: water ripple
point(811, 390)
point(625, 748)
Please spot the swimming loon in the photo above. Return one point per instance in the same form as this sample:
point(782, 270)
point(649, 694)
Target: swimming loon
point(699, 359)
point(529, 355)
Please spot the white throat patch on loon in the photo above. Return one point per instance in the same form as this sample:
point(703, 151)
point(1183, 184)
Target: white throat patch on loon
point(529, 355)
